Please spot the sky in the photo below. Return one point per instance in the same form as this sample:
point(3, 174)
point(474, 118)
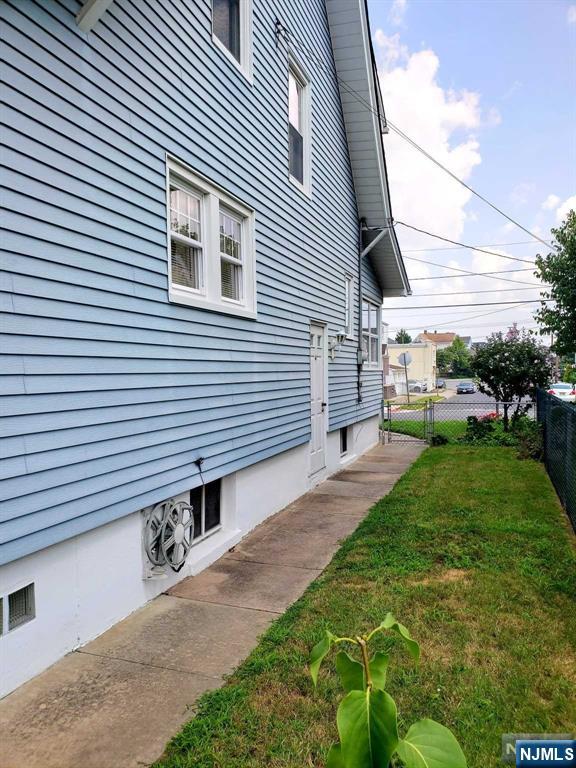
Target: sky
point(489, 89)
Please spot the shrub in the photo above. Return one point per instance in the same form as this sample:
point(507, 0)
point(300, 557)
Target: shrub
point(478, 429)
point(529, 438)
point(439, 440)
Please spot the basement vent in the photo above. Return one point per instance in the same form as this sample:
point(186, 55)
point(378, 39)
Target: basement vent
point(21, 607)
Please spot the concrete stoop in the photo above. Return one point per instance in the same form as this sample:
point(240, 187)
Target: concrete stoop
point(116, 702)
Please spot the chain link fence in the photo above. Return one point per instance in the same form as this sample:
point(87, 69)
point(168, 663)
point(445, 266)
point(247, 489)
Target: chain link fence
point(558, 420)
point(425, 419)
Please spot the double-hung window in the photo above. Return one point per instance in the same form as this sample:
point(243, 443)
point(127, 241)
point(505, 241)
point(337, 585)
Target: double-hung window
point(231, 266)
point(299, 126)
point(186, 249)
point(211, 245)
point(371, 334)
point(232, 31)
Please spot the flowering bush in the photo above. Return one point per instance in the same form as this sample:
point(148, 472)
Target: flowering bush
point(490, 416)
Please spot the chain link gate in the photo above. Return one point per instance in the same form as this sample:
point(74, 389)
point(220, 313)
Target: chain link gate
point(402, 426)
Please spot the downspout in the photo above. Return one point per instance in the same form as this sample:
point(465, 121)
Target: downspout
point(360, 353)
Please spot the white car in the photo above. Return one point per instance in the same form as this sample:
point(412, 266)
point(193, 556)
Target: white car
point(563, 391)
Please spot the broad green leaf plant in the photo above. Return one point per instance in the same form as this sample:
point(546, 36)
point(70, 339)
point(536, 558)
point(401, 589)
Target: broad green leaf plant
point(367, 719)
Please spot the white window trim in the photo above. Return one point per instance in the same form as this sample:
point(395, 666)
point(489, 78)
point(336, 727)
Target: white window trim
point(349, 287)
point(245, 64)
point(301, 75)
point(373, 366)
point(210, 297)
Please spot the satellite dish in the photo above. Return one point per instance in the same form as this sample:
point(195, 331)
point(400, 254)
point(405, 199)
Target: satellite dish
point(405, 358)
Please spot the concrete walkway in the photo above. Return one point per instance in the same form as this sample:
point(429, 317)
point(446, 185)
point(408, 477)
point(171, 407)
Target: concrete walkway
point(116, 702)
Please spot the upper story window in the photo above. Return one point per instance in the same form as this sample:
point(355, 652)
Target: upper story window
point(232, 31)
point(349, 305)
point(211, 245)
point(371, 334)
point(299, 126)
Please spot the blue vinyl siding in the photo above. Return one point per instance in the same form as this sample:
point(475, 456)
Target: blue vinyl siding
point(110, 392)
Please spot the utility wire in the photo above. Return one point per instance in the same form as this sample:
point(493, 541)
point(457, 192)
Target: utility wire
point(463, 183)
point(281, 29)
point(466, 272)
point(480, 274)
point(491, 290)
point(480, 304)
point(455, 320)
point(462, 245)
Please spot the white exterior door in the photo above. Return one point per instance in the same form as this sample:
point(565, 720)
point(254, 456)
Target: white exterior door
point(317, 398)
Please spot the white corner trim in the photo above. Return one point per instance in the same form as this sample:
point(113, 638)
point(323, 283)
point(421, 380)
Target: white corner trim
point(91, 13)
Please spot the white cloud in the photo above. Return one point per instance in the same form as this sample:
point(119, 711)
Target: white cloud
point(567, 205)
point(493, 117)
point(571, 14)
point(422, 194)
point(446, 123)
point(551, 202)
point(521, 193)
point(390, 50)
point(396, 13)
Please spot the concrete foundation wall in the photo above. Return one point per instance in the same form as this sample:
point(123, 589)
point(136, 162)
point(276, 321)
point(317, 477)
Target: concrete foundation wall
point(88, 583)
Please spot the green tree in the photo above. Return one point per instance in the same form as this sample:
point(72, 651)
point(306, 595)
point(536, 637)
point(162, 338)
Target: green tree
point(558, 270)
point(403, 337)
point(510, 368)
point(454, 360)
point(444, 361)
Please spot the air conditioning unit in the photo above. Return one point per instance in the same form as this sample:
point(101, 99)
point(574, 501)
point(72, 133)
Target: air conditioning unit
point(168, 533)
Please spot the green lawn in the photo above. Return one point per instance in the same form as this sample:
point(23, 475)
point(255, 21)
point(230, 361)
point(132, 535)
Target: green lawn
point(472, 552)
point(451, 428)
point(417, 404)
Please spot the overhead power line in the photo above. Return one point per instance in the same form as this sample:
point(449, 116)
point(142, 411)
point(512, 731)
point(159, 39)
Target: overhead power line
point(477, 274)
point(463, 183)
point(468, 272)
point(457, 320)
point(319, 59)
point(462, 245)
point(490, 290)
point(480, 304)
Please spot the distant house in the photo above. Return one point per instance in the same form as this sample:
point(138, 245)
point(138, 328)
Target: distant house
point(198, 243)
point(421, 368)
point(443, 340)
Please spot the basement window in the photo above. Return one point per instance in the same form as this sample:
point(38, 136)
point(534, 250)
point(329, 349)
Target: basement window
point(21, 608)
point(205, 502)
point(343, 441)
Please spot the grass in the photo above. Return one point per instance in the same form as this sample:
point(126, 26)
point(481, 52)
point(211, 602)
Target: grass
point(451, 428)
point(419, 403)
point(472, 552)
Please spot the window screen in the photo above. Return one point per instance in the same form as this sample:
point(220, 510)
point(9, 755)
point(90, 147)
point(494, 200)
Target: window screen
point(20, 606)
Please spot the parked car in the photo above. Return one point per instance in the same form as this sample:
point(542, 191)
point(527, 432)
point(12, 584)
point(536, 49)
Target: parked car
point(563, 391)
point(417, 386)
point(465, 388)
point(440, 384)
